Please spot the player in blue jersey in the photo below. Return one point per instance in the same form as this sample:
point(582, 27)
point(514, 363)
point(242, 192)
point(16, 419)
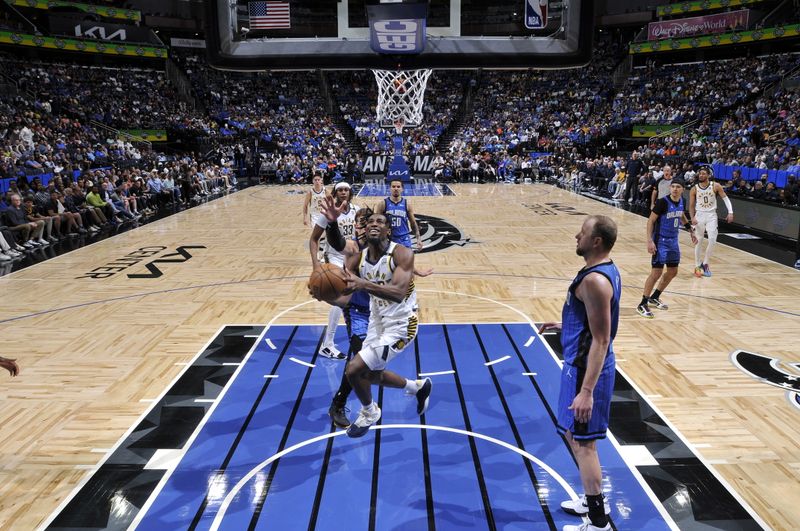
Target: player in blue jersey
point(400, 215)
point(589, 324)
point(356, 306)
point(663, 227)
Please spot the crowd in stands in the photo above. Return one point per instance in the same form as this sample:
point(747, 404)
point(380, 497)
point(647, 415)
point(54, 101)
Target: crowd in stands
point(761, 133)
point(281, 112)
point(120, 98)
point(633, 178)
point(681, 93)
point(521, 125)
point(65, 178)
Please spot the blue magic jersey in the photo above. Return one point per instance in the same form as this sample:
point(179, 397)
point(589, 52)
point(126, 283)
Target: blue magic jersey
point(360, 298)
point(669, 218)
point(576, 338)
point(397, 215)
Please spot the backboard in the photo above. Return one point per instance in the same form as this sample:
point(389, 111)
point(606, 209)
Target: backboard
point(347, 34)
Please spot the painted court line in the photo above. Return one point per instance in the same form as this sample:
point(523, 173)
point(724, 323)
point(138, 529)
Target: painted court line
point(229, 497)
point(498, 360)
point(205, 400)
point(270, 344)
point(529, 374)
point(530, 341)
point(270, 376)
point(439, 373)
point(232, 364)
point(302, 362)
point(163, 481)
point(128, 432)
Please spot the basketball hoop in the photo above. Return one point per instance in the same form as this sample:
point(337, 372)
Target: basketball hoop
point(400, 96)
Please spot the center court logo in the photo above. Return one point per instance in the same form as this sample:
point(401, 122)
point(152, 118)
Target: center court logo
point(438, 234)
point(771, 371)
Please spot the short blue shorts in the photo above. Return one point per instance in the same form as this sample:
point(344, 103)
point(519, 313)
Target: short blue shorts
point(668, 253)
point(571, 382)
point(403, 240)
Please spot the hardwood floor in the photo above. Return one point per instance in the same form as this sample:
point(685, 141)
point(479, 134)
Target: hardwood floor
point(95, 351)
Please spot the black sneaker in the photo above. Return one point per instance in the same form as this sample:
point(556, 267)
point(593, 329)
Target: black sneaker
point(424, 396)
point(658, 304)
point(338, 414)
point(644, 311)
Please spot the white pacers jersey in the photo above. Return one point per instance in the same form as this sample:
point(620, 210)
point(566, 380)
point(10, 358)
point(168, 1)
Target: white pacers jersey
point(347, 228)
point(706, 199)
point(317, 200)
point(382, 272)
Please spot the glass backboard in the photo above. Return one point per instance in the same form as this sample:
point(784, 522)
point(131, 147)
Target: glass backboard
point(344, 34)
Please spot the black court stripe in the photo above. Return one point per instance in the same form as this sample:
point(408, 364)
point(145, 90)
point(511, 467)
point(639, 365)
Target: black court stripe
point(487, 507)
point(426, 462)
point(232, 450)
point(544, 402)
point(274, 466)
point(376, 456)
point(538, 389)
point(312, 523)
point(517, 438)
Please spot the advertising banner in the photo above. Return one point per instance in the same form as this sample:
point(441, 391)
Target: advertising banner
point(717, 39)
point(686, 27)
point(102, 30)
point(92, 9)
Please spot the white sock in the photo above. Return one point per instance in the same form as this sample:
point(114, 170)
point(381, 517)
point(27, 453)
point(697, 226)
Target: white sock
point(371, 407)
point(412, 386)
point(333, 321)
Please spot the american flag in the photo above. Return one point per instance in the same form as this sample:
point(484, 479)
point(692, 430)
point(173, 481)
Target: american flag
point(269, 15)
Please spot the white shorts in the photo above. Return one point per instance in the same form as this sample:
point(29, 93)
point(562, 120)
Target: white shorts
point(385, 340)
point(707, 220)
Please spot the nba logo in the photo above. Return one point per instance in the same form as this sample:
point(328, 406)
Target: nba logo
point(535, 14)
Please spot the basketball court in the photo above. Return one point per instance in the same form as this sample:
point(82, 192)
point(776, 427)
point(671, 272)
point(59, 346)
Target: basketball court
point(210, 410)
point(170, 376)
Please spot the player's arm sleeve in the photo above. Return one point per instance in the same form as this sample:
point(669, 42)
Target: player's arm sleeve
point(725, 199)
point(335, 238)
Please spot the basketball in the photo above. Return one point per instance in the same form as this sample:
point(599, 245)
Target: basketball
point(327, 283)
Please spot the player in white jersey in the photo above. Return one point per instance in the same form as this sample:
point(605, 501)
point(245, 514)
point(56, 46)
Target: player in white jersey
point(314, 200)
point(346, 221)
point(385, 270)
point(703, 211)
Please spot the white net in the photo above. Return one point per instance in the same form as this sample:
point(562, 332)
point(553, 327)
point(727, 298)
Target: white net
point(400, 95)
